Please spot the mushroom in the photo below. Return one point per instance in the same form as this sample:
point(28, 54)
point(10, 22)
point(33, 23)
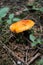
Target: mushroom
point(21, 26)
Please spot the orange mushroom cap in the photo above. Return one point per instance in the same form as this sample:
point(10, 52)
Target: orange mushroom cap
point(21, 26)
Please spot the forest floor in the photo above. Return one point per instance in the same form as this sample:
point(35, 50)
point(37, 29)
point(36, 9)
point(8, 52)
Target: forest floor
point(16, 49)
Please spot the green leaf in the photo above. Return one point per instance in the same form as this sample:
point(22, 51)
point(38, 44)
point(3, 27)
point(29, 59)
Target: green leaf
point(32, 38)
point(1, 20)
point(35, 8)
point(3, 11)
point(26, 9)
point(33, 43)
point(38, 40)
point(9, 21)
point(40, 62)
point(41, 9)
point(16, 19)
point(38, 9)
point(30, 4)
point(11, 16)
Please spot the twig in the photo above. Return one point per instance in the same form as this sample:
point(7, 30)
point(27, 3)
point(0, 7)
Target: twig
point(26, 49)
point(26, 56)
point(36, 56)
point(26, 17)
point(14, 63)
point(38, 34)
point(27, 40)
point(35, 52)
point(12, 53)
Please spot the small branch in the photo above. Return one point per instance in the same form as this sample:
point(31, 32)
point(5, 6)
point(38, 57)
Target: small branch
point(35, 52)
point(38, 34)
point(26, 56)
point(26, 49)
point(36, 56)
point(14, 63)
point(27, 40)
point(12, 53)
